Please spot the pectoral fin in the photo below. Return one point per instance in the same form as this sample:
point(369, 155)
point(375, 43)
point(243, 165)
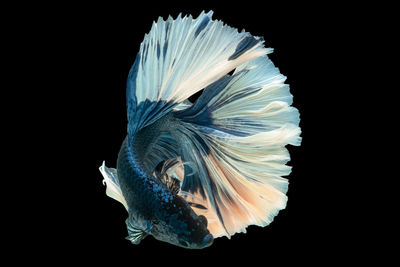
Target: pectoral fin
point(135, 232)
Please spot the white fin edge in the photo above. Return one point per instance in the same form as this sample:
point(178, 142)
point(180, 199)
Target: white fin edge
point(181, 56)
point(112, 188)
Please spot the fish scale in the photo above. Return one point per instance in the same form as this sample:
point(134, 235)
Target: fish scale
point(146, 195)
point(137, 186)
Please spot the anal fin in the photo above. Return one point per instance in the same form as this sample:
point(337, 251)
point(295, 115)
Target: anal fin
point(135, 233)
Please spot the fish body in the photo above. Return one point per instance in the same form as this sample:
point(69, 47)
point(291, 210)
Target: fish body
point(154, 209)
point(191, 172)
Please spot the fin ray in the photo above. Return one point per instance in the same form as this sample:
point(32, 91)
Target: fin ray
point(240, 148)
point(233, 136)
point(196, 53)
point(135, 233)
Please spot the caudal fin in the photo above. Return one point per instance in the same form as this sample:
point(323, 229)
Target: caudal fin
point(236, 132)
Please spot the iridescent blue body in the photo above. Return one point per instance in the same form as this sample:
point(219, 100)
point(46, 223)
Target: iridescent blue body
point(153, 207)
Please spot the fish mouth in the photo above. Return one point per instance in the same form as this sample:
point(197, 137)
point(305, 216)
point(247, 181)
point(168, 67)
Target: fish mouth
point(207, 241)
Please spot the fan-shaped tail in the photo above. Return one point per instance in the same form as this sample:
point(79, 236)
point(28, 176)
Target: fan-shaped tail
point(236, 132)
point(232, 139)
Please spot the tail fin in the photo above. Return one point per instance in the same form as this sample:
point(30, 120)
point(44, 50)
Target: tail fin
point(236, 132)
point(233, 137)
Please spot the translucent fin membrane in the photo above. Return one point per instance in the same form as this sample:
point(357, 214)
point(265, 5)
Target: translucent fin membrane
point(233, 136)
point(178, 58)
point(236, 133)
point(111, 181)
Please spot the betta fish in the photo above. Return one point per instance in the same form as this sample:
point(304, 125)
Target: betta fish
point(189, 172)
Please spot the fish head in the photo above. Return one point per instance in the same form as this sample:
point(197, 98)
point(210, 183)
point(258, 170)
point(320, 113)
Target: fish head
point(183, 228)
point(197, 236)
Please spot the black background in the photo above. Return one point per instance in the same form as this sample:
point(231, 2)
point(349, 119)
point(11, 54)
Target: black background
point(85, 54)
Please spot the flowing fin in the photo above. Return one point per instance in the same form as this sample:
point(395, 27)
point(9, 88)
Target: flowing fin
point(178, 58)
point(236, 132)
point(111, 181)
point(233, 136)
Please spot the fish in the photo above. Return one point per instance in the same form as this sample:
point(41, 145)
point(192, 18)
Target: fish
point(190, 172)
